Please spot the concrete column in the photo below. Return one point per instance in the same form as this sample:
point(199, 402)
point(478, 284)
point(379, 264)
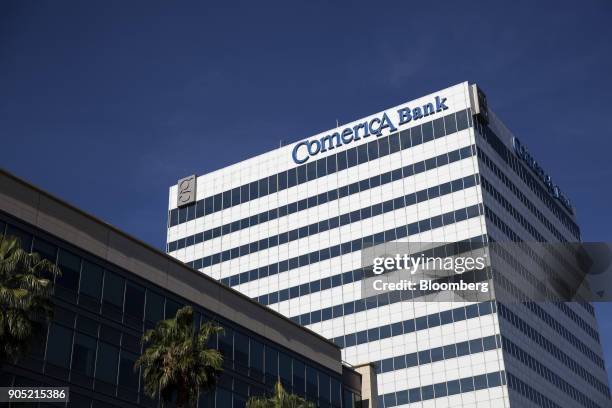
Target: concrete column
point(369, 388)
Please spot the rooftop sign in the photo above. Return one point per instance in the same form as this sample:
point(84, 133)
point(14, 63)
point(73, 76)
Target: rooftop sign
point(306, 149)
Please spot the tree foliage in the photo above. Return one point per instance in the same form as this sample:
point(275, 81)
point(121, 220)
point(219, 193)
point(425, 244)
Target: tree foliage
point(280, 399)
point(177, 360)
point(26, 287)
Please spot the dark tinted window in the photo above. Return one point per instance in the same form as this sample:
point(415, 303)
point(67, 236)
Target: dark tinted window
point(134, 301)
point(84, 354)
point(226, 344)
point(311, 382)
point(106, 366)
point(155, 307)
point(336, 393)
point(271, 364)
point(171, 308)
point(127, 377)
point(25, 239)
point(70, 266)
point(284, 369)
point(256, 358)
point(113, 289)
point(299, 377)
point(44, 249)
point(241, 355)
point(91, 280)
point(324, 388)
point(59, 346)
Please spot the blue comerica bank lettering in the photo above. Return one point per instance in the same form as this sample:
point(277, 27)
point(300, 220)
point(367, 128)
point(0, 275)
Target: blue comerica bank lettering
point(305, 149)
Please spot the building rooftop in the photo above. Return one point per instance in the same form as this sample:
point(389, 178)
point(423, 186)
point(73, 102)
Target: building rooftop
point(43, 210)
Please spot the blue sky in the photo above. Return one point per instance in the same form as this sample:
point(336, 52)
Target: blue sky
point(106, 104)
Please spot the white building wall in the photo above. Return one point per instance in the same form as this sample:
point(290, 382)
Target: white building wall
point(399, 380)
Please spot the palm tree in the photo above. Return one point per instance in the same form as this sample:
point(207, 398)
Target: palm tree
point(26, 287)
point(280, 399)
point(178, 361)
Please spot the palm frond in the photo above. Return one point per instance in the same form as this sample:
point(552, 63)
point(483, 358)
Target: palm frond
point(177, 361)
point(25, 297)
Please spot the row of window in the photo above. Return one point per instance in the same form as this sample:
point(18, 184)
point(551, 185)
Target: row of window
point(502, 282)
point(520, 195)
point(386, 298)
point(342, 220)
point(526, 175)
point(442, 389)
point(548, 374)
point(342, 160)
point(323, 254)
point(531, 229)
point(433, 355)
point(517, 266)
point(264, 363)
point(550, 347)
point(553, 273)
point(530, 393)
point(420, 323)
point(360, 274)
point(331, 195)
point(91, 362)
point(558, 327)
point(225, 396)
point(100, 353)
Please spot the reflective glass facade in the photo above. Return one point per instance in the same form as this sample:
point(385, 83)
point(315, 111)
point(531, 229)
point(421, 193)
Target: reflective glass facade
point(100, 314)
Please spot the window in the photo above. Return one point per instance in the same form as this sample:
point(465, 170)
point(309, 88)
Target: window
point(336, 393)
point(171, 308)
point(241, 354)
point(113, 289)
point(226, 345)
point(134, 301)
point(299, 377)
point(84, 354)
point(271, 365)
point(91, 280)
point(44, 249)
point(438, 127)
point(106, 366)
point(324, 388)
point(113, 295)
point(256, 359)
point(284, 369)
point(25, 239)
point(59, 346)
point(127, 377)
point(224, 397)
point(155, 307)
point(70, 266)
point(311, 383)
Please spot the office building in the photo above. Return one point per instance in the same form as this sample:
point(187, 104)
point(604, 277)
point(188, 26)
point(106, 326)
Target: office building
point(113, 287)
point(287, 229)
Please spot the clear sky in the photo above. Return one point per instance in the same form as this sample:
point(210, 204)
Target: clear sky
point(106, 104)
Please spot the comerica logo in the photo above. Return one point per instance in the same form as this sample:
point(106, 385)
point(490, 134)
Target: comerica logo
point(305, 149)
point(522, 152)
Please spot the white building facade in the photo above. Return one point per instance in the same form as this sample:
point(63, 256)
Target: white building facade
point(287, 228)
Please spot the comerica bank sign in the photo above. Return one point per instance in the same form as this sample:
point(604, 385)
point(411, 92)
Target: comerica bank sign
point(305, 149)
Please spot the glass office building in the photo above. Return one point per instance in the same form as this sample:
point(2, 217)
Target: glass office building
point(287, 229)
point(114, 287)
